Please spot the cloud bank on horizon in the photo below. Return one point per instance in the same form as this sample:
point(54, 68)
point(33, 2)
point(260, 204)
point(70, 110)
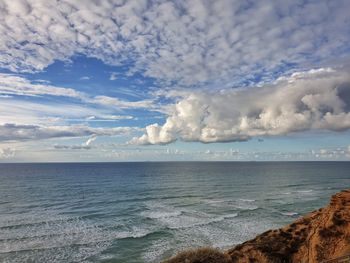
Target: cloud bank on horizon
point(316, 99)
point(191, 71)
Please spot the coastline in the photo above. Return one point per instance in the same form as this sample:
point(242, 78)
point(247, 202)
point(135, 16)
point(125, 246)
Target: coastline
point(319, 236)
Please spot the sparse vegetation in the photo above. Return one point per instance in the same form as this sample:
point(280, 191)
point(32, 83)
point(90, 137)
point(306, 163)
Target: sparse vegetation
point(338, 220)
point(329, 232)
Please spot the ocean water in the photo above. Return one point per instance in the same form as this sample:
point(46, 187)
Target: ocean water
point(145, 212)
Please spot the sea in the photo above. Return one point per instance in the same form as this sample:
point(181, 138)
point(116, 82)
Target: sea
point(148, 211)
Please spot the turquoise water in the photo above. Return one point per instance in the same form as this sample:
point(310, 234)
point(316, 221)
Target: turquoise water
point(145, 212)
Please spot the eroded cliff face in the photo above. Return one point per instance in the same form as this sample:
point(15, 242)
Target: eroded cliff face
point(317, 237)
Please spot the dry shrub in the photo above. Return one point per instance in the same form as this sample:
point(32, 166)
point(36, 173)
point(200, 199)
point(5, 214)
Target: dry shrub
point(337, 219)
point(330, 232)
point(200, 255)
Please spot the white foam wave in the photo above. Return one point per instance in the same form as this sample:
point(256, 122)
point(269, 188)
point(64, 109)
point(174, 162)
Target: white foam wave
point(135, 232)
point(191, 220)
point(289, 213)
point(243, 205)
point(305, 191)
point(56, 239)
point(156, 251)
point(247, 200)
point(211, 202)
point(217, 235)
point(160, 214)
point(251, 208)
point(223, 217)
point(31, 218)
point(174, 218)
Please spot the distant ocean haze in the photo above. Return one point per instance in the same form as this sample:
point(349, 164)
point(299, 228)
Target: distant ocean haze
point(145, 212)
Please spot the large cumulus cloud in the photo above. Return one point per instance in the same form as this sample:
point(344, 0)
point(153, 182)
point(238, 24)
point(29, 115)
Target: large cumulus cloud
point(184, 42)
point(313, 100)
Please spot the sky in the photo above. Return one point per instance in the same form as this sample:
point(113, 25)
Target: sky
point(225, 80)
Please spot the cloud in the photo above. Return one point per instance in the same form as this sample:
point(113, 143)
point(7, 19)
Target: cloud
point(84, 146)
point(331, 153)
point(39, 112)
point(71, 147)
point(113, 76)
point(14, 132)
point(85, 78)
point(312, 100)
point(109, 118)
point(6, 153)
point(183, 42)
point(11, 84)
point(115, 102)
point(90, 140)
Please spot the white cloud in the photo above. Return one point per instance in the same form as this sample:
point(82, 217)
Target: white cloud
point(331, 153)
point(122, 104)
point(84, 146)
point(90, 140)
point(11, 84)
point(26, 112)
point(313, 100)
point(85, 78)
point(71, 147)
point(113, 76)
point(188, 42)
point(6, 153)
point(109, 118)
point(22, 119)
point(15, 85)
point(14, 132)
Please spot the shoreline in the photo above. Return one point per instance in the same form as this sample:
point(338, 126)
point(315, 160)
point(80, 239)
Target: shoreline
point(318, 236)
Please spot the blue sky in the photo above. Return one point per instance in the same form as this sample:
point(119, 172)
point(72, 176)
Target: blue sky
point(174, 80)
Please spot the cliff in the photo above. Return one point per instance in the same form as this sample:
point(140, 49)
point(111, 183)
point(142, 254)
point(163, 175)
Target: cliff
point(319, 236)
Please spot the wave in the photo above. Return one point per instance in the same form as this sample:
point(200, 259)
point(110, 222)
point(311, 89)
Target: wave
point(189, 221)
point(247, 200)
point(160, 214)
point(156, 250)
point(293, 195)
point(212, 202)
point(245, 204)
point(246, 207)
point(289, 213)
point(174, 218)
point(305, 191)
point(222, 236)
point(134, 233)
point(241, 203)
point(227, 216)
point(61, 239)
point(78, 253)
